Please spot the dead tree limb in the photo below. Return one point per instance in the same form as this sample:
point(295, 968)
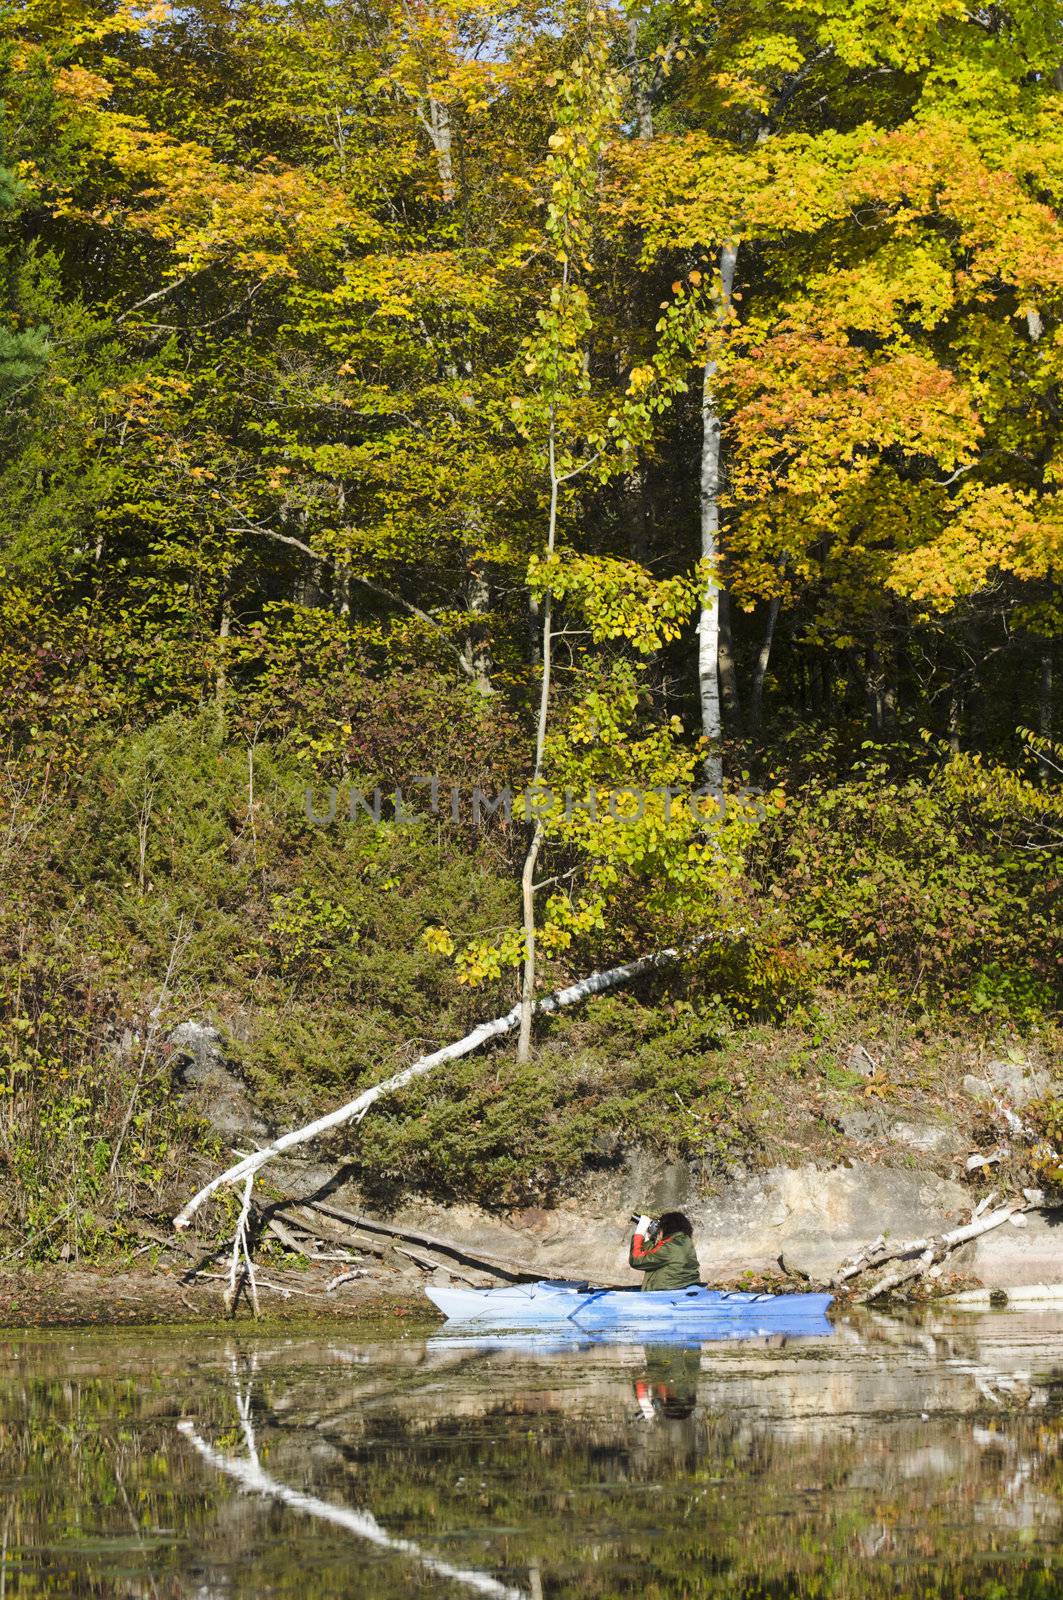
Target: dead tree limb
point(921, 1255)
point(500, 1266)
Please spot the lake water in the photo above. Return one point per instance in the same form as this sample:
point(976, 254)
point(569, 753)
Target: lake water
point(890, 1458)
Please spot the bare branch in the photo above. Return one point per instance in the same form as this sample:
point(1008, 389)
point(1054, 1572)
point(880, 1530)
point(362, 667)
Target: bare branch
point(247, 526)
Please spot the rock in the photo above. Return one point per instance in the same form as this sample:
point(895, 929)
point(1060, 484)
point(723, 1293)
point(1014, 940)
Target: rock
point(929, 1138)
point(201, 1047)
point(1015, 1082)
point(201, 1067)
point(864, 1126)
point(875, 1126)
point(1010, 1259)
point(817, 1217)
point(860, 1062)
point(655, 1185)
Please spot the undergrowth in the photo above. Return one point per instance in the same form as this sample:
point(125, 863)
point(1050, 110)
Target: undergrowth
point(871, 914)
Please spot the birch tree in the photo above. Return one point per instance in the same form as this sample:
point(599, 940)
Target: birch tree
point(587, 105)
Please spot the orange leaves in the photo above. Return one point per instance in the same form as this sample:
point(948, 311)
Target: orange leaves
point(807, 404)
point(81, 86)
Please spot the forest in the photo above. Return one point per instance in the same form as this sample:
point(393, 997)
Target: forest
point(490, 492)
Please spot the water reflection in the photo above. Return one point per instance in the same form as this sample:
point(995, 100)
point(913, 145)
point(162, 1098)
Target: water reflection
point(670, 1385)
point(889, 1458)
point(247, 1470)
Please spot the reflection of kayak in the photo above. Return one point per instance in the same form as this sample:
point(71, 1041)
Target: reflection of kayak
point(565, 1338)
point(521, 1305)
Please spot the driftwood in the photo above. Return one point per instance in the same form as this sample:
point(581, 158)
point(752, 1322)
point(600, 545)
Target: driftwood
point(432, 1264)
point(355, 1110)
point(316, 1227)
point(344, 1277)
point(369, 1234)
point(285, 1235)
point(921, 1258)
point(241, 1267)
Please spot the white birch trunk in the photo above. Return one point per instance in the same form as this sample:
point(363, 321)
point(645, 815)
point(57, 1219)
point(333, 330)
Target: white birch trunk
point(440, 134)
point(355, 1110)
point(709, 619)
point(527, 879)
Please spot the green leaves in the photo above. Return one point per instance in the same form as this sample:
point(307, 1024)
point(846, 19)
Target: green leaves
point(619, 599)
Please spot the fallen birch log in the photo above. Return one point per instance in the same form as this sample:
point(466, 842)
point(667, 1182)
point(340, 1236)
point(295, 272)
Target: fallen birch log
point(355, 1110)
point(929, 1252)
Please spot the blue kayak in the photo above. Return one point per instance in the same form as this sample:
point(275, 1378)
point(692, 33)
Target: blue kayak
point(524, 1305)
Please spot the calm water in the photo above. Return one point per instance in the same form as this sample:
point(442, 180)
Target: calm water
point(889, 1459)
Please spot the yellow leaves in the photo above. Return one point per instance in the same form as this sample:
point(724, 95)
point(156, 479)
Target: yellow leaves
point(485, 960)
point(619, 599)
point(641, 378)
point(991, 529)
point(439, 941)
point(264, 221)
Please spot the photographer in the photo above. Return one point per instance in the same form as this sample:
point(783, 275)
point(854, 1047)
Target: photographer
point(664, 1251)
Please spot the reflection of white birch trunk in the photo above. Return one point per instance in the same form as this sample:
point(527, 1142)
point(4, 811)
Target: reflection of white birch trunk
point(709, 620)
point(252, 1477)
point(355, 1110)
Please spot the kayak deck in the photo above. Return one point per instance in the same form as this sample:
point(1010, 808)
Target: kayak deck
point(530, 1304)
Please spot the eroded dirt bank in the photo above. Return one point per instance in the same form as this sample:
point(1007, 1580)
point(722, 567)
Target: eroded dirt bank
point(64, 1296)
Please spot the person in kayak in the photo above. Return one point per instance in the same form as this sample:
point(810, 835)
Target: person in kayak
point(664, 1251)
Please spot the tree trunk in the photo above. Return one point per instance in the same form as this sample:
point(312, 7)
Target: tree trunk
point(477, 642)
point(643, 104)
point(732, 705)
point(955, 718)
point(756, 693)
point(527, 880)
point(880, 689)
point(709, 621)
point(440, 133)
point(1044, 708)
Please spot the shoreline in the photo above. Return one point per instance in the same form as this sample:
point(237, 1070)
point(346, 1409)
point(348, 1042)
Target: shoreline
point(61, 1296)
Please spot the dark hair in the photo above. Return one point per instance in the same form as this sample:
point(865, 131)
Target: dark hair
point(677, 1409)
point(675, 1222)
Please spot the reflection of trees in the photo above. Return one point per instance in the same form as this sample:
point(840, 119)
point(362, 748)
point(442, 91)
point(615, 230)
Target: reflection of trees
point(799, 1474)
point(248, 1472)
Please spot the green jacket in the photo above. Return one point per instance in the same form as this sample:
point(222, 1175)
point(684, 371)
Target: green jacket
point(669, 1264)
